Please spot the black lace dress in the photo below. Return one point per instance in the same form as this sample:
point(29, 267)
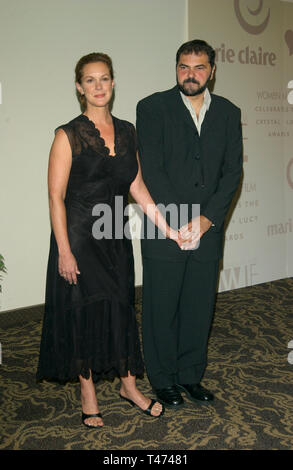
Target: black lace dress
point(92, 325)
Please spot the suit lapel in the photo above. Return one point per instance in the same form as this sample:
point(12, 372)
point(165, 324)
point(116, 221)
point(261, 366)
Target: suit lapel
point(179, 108)
point(209, 118)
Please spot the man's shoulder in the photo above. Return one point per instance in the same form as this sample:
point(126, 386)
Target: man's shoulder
point(157, 98)
point(224, 103)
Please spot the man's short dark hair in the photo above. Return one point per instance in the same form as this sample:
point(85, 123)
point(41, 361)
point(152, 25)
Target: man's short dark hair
point(197, 46)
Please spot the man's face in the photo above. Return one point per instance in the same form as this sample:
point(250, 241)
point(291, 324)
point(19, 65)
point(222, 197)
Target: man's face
point(193, 73)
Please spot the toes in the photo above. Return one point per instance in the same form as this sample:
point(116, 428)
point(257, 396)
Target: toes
point(157, 409)
point(94, 422)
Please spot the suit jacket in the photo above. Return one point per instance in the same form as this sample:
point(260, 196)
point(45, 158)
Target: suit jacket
point(181, 167)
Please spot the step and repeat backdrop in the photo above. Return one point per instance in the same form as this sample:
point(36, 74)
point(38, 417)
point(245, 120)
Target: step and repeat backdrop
point(42, 42)
point(254, 44)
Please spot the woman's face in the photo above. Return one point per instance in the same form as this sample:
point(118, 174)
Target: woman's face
point(96, 84)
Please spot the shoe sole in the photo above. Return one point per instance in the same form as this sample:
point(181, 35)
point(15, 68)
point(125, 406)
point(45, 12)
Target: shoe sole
point(167, 405)
point(195, 400)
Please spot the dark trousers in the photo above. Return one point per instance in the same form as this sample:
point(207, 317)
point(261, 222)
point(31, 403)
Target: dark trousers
point(178, 306)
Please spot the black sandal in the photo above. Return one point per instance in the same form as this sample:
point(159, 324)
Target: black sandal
point(85, 416)
point(148, 410)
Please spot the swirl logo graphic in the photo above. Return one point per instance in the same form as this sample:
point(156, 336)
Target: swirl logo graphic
point(290, 173)
point(248, 27)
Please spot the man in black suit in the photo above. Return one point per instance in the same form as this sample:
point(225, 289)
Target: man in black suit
point(190, 146)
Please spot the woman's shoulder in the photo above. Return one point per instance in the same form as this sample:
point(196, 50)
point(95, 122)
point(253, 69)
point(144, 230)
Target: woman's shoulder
point(70, 125)
point(72, 131)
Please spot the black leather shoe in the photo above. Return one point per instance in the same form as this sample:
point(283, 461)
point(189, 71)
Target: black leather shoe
point(196, 393)
point(169, 396)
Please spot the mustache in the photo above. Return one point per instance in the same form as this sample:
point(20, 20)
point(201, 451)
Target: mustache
point(191, 80)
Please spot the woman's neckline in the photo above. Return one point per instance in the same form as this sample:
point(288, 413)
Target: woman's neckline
point(100, 137)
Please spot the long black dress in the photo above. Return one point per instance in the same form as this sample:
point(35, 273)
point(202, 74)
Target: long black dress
point(92, 325)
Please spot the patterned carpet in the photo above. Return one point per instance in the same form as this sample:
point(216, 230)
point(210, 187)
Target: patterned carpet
point(248, 371)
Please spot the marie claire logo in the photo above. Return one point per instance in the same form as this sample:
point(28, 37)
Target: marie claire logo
point(280, 228)
point(253, 20)
point(253, 16)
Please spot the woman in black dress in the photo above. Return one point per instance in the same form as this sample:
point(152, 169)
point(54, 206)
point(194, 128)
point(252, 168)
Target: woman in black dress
point(89, 328)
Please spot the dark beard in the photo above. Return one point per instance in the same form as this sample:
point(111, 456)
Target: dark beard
point(199, 91)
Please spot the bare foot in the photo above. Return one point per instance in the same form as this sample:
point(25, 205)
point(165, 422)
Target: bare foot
point(89, 402)
point(140, 400)
point(88, 409)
